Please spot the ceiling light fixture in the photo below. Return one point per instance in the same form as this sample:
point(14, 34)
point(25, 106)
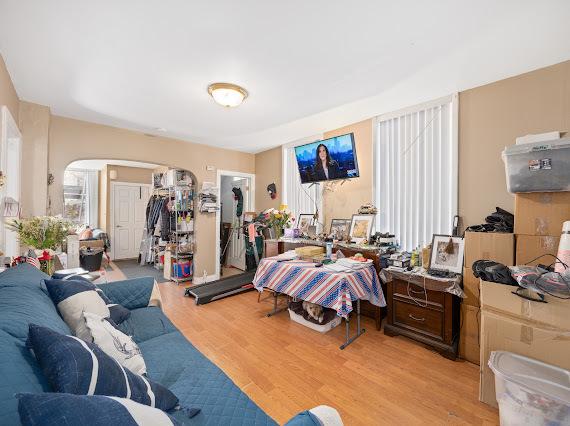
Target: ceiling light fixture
point(227, 94)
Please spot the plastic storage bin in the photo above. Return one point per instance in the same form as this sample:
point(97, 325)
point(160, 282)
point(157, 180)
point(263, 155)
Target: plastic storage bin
point(530, 392)
point(538, 167)
point(321, 328)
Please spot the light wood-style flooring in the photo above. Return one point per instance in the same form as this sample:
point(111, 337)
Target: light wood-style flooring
point(285, 367)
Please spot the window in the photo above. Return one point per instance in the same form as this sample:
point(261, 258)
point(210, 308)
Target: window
point(415, 171)
point(80, 196)
point(300, 199)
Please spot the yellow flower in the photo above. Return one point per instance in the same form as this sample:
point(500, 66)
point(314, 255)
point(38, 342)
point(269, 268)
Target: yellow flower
point(278, 215)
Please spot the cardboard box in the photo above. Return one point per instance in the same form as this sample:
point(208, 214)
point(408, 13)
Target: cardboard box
point(309, 251)
point(531, 247)
point(536, 330)
point(494, 246)
point(470, 287)
point(541, 213)
point(469, 333)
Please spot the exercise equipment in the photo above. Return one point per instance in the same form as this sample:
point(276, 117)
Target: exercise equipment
point(230, 286)
point(225, 287)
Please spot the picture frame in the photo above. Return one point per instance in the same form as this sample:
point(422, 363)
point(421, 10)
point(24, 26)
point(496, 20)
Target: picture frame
point(339, 228)
point(440, 260)
point(361, 227)
point(304, 221)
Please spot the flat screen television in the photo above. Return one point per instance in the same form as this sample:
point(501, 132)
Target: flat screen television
point(329, 159)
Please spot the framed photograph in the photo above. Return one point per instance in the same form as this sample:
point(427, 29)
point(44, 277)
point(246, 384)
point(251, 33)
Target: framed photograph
point(339, 229)
point(304, 221)
point(361, 227)
point(447, 253)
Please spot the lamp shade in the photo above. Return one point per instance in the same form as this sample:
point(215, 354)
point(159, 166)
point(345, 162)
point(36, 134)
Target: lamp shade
point(227, 94)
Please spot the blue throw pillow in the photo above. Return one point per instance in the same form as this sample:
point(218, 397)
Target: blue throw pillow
point(63, 409)
point(61, 289)
point(72, 365)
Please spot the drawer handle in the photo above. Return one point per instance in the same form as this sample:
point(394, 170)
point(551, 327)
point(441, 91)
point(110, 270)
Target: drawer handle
point(416, 319)
point(417, 292)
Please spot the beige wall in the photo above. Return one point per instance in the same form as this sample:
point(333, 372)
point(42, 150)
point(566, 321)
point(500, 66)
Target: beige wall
point(71, 140)
point(342, 200)
point(8, 95)
point(268, 167)
point(34, 124)
point(490, 118)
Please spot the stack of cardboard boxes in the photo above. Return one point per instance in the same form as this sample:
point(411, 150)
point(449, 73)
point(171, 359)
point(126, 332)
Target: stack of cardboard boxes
point(538, 223)
point(508, 322)
point(498, 247)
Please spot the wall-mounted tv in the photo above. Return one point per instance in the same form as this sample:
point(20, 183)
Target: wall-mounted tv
point(329, 159)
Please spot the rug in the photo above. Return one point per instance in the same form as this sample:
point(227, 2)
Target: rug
point(132, 269)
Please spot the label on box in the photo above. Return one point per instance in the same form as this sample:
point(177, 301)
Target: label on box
point(543, 164)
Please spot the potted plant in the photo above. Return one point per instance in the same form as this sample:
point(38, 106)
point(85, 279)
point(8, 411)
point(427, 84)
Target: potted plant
point(43, 234)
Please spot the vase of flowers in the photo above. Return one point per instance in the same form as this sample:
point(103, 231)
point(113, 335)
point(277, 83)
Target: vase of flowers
point(44, 235)
point(276, 220)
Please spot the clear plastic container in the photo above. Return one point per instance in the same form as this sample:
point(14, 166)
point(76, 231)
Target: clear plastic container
point(530, 392)
point(538, 167)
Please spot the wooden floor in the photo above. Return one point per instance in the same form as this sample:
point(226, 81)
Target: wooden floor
point(285, 367)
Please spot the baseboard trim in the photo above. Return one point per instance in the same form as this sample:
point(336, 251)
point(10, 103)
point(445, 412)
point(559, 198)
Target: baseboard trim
point(209, 278)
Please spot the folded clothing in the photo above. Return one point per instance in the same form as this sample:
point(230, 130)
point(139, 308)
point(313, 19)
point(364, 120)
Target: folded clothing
point(56, 409)
point(498, 221)
point(72, 365)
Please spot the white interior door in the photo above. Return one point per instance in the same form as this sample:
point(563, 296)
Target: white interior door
point(236, 254)
point(129, 208)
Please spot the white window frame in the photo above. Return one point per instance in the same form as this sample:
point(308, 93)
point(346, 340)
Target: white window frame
point(91, 197)
point(314, 194)
point(453, 100)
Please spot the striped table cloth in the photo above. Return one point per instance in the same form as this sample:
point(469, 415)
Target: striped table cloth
point(335, 290)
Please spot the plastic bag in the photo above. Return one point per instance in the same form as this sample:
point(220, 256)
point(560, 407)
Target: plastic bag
point(543, 282)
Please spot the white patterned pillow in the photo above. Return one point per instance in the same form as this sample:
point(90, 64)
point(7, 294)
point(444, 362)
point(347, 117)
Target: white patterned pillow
point(115, 343)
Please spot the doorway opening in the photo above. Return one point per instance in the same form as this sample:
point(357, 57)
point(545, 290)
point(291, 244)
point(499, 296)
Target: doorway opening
point(10, 191)
point(237, 196)
point(133, 212)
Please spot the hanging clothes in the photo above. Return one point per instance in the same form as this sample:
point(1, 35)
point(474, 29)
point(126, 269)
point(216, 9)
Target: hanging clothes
point(238, 196)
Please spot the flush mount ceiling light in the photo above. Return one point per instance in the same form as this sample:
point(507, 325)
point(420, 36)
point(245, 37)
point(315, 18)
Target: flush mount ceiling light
point(227, 94)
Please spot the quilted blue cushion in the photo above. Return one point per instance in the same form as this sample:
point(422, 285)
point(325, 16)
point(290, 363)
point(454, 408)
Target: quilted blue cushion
point(61, 409)
point(20, 372)
point(23, 275)
point(132, 294)
point(146, 323)
point(199, 383)
point(73, 366)
point(20, 306)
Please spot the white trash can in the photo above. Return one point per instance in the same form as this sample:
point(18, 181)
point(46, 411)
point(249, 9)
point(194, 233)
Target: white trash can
point(530, 392)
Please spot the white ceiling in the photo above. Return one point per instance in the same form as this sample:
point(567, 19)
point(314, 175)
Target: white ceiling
point(309, 66)
point(99, 164)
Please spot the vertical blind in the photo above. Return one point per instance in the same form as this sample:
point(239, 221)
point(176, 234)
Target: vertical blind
point(299, 198)
point(415, 181)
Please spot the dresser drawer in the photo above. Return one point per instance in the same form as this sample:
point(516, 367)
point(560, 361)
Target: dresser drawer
point(411, 290)
point(419, 319)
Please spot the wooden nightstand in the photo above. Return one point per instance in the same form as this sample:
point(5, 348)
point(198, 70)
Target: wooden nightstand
point(426, 315)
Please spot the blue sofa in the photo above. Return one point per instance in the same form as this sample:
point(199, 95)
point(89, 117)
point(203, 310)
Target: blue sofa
point(171, 359)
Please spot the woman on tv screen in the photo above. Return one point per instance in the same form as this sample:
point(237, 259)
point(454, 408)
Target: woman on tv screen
point(325, 166)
